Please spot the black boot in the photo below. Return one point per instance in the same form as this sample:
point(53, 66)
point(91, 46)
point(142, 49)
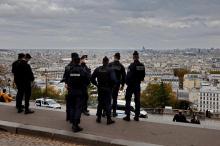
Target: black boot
point(127, 118)
point(28, 111)
point(136, 118)
point(114, 114)
point(76, 127)
point(86, 113)
point(20, 110)
point(110, 121)
point(98, 120)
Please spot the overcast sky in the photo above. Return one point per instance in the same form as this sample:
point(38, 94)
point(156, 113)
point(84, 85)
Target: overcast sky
point(123, 24)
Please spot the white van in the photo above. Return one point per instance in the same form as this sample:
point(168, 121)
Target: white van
point(47, 102)
point(121, 109)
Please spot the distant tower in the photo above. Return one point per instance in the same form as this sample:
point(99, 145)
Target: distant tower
point(143, 48)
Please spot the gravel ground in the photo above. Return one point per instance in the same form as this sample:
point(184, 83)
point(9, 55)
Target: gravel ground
point(9, 139)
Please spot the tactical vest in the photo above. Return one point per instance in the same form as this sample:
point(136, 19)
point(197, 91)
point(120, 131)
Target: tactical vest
point(104, 77)
point(75, 79)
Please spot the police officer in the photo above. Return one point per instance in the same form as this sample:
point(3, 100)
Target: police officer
point(23, 77)
point(83, 61)
point(76, 78)
point(120, 76)
point(135, 74)
point(17, 79)
point(28, 83)
point(106, 80)
point(65, 76)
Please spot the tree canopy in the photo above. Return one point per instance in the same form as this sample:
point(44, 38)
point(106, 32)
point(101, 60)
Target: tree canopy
point(158, 95)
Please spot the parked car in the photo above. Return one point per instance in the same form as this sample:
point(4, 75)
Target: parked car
point(47, 102)
point(121, 109)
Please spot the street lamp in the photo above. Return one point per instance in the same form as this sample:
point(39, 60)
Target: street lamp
point(9, 85)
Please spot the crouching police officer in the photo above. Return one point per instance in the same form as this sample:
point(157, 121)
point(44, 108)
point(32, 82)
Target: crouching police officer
point(76, 77)
point(106, 80)
point(135, 74)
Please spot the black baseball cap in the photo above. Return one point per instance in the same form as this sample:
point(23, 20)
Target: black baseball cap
point(117, 55)
point(21, 55)
point(28, 56)
point(105, 59)
point(84, 56)
point(135, 53)
point(75, 55)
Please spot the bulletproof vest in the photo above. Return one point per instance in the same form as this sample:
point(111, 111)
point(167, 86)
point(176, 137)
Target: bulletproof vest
point(75, 79)
point(135, 73)
point(139, 71)
point(104, 77)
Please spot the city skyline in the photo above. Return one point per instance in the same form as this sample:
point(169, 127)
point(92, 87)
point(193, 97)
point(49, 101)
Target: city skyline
point(114, 24)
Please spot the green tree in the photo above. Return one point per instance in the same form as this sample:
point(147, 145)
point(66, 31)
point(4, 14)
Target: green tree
point(214, 72)
point(182, 104)
point(180, 72)
point(92, 91)
point(3, 80)
point(158, 95)
point(37, 92)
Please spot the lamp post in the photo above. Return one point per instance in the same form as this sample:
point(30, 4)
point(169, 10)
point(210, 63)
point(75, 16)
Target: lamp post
point(9, 85)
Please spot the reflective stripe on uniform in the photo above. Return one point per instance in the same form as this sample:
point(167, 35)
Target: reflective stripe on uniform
point(140, 67)
point(75, 75)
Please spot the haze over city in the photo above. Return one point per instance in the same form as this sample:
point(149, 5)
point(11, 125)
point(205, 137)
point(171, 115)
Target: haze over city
point(101, 24)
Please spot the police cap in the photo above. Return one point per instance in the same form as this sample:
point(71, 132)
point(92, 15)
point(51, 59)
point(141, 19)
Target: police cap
point(21, 55)
point(135, 53)
point(75, 55)
point(117, 55)
point(84, 56)
point(28, 56)
point(105, 59)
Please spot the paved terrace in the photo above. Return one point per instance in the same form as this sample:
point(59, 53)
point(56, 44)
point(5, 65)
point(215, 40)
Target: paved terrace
point(52, 124)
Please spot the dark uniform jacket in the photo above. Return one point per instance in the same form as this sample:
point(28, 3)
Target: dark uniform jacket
point(76, 77)
point(67, 69)
point(135, 73)
point(119, 71)
point(88, 70)
point(22, 72)
point(105, 76)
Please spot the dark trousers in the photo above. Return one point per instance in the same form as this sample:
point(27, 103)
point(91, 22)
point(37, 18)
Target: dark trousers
point(76, 103)
point(68, 106)
point(104, 101)
point(24, 89)
point(132, 89)
point(115, 97)
point(86, 97)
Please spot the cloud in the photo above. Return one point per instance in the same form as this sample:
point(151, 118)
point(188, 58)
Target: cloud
point(108, 23)
point(154, 22)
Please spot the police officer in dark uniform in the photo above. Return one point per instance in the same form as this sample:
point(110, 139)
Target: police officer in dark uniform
point(76, 78)
point(120, 76)
point(65, 76)
point(23, 77)
point(29, 80)
point(135, 74)
point(83, 61)
point(17, 80)
point(106, 80)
